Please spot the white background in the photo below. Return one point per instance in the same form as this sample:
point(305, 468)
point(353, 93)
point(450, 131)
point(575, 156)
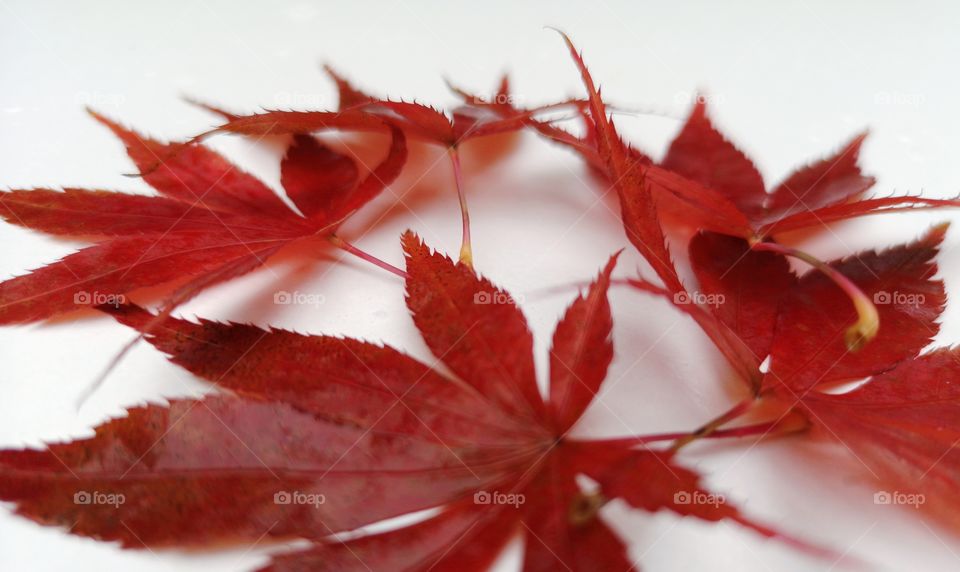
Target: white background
point(788, 82)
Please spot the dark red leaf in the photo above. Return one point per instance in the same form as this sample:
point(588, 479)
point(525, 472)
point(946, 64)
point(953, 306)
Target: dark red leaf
point(706, 183)
point(362, 113)
point(215, 223)
point(373, 431)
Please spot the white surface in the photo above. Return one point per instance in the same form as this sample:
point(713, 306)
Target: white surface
point(788, 82)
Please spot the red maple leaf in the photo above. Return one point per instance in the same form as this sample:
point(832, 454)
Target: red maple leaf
point(822, 192)
point(360, 112)
point(320, 435)
point(709, 184)
point(753, 298)
point(900, 423)
point(210, 223)
point(714, 187)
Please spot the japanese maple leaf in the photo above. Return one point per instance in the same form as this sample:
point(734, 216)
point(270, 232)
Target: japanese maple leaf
point(744, 295)
point(819, 193)
point(359, 112)
point(714, 187)
point(210, 222)
point(709, 184)
point(752, 299)
point(901, 423)
point(320, 434)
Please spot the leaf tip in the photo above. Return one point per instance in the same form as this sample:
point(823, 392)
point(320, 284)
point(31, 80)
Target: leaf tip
point(411, 243)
